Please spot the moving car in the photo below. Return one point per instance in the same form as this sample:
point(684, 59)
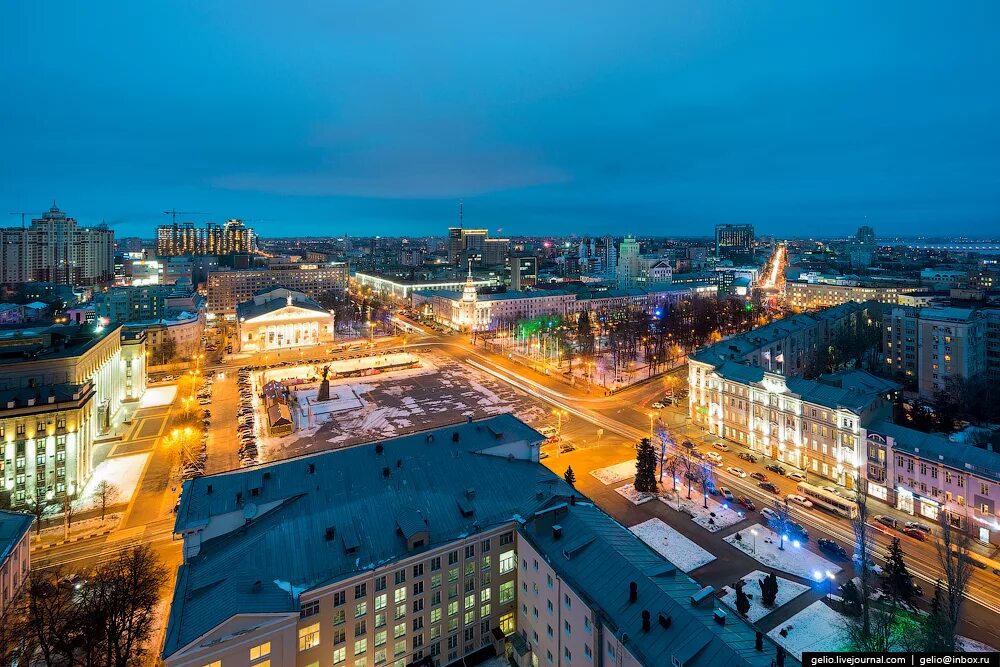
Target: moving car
point(721, 446)
point(915, 533)
point(747, 503)
point(748, 457)
point(799, 500)
point(769, 514)
point(919, 526)
point(831, 548)
point(767, 486)
point(738, 472)
point(759, 476)
point(775, 468)
point(657, 405)
point(887, 521)
point(797, 476)
point(727, 494)
point(714, 457)
point(871, 565)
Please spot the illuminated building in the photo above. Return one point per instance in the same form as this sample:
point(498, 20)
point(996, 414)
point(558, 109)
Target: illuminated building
point(212, 239)
point(15, 555)
point(228, 288)
point(279, 319)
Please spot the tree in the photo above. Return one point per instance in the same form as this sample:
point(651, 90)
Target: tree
point(782, 521)
point(106, 494)
point(122, 596)
point(898, 580)
point(742, 600)
point(645, 467)
point(570, 476)
point(863, 543)
point(769, 590)
point(164, 352)
point(68, 513)
point(585, 334)
point(852, 600)
point(953, 554)
point(934, 630)
point(37, 507)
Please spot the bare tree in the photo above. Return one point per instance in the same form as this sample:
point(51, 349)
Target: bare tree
point(68, 512)
point(123, 595)
point(36, 507)
point(953, 554)
point(782, 521)
point(106, 494)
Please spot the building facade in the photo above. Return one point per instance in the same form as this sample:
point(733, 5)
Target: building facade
point(15, 555)
point(812, 295)
point(226, 289)
point(56, 249)
point(734, 242)
point(279, 319)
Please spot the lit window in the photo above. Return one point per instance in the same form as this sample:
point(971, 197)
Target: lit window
point(308, 637)
point(262, 651)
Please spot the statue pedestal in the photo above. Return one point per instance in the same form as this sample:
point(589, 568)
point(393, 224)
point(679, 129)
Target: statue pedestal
point(324, 391)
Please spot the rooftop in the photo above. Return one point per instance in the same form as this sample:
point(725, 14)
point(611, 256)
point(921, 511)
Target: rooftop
point(51, 342)
point(13, 526)
point(273, 299)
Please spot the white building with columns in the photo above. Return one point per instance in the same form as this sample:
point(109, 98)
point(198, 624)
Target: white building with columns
point(281, 318)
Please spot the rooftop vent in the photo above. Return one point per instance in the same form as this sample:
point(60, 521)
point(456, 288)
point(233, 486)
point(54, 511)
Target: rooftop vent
point(386, 472)
point(430, 437)
point(665, 621)
point(556, 532)
point(256, 586)
point(267, 474)
point(633, 591)
point(379, 448)
point(702, 595)
point(454, 436)
point(645, 620)
point(209, 489)
point(719, 617)
point(312, 468)
point(468, 419)
point(470, 493)
point(399, 463)
point(255, 491)
point(330, 533)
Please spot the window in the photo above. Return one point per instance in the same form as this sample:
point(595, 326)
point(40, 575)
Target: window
point(339, 655)
point(400, 577)
point(400, 595)
point(360, 646)
point(435, 563)
point(339, 636)
point(360, 628)
point(435, 581)
point(360, 609)
point(418, 570)
point(567, 601)
point(470, 551)
point(418, 588)
point(399, 630)
point(360, 591)
point(216, 663)
point(452, 557)
point(485, 545)
point(339, 598)
point(308, 637)
point(470, 601)
point(380, 601)
point(506, 591)
point(309, 609)
point(380, 583)
point(261, 651)
point(508, 562)
point(380, 638)
point(567, 628)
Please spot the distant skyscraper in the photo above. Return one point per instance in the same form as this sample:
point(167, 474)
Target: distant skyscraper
point(55, 249)
point(610, 255)
point(734, 242)
point(862, 247)
point(523, 272)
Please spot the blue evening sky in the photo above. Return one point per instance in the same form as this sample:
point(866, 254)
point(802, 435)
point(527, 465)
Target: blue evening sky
point(661, 117)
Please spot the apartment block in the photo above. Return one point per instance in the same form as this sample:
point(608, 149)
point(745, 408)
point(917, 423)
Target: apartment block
point(806, 295)
point(15, 555)
point(184, 239)
point(927, 345)
point(437, 548)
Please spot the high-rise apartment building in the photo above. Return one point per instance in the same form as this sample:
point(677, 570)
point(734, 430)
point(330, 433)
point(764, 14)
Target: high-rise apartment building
point(56, 249)
point(928, 345)
point(184, 239)
point(437, 548)
point(523, 272)
point(734, 242)
point(465, 244)
point(228, 288)
point(495, 252)
point(627, 270)
point(861, 248)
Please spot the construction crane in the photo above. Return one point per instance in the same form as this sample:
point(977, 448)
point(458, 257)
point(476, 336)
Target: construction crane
point(174, 213)
point(22, 214)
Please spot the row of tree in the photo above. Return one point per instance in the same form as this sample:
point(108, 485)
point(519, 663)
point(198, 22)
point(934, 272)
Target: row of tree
point(106, 620)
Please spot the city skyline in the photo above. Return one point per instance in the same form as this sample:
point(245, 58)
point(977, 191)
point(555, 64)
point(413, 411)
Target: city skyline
point(804, 117)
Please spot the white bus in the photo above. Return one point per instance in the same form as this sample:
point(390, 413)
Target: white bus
point(831, 502)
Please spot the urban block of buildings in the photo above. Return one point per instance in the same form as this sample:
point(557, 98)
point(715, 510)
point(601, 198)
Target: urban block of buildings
point(424, 550)
point(211, 239)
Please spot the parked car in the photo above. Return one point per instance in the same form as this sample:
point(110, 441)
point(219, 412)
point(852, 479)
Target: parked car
point(916, 534)
point(747, 503)
point(923, 527)
point(714, 457)
point(872, 566)
point(748, 457)
point(887, 521)
point(767, 486)
point(727, 494)
point(769, 514)
point(775, 468)
point(799, 500)
point(721, 446)
point(687, 444)
point(797, 476)
point(737, 472)
point(656, 405)
point(759, 476)
point(831, 548)
point(797, 531)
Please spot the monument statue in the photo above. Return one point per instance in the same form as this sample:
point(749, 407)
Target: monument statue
point(324, 386)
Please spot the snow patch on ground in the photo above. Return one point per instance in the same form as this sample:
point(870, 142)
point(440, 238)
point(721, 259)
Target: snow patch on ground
point(815, 628)
point(158, 396)
point(121, 471)
point(673, 546)
point(787, 591)
point(635, 497)
point(794, 560)
point(616, 473)
point(713, 519)
point(972, 646)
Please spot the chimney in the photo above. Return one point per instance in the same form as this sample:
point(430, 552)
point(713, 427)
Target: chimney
point(633, 591)
point(556, 532)
point(719, 616)
point(645, 620)
point(386, 472)
point(330, 533)
point(759, 641)
point(780, 657)
point(209, 489)
point(312, 468)
point(454, 436)
point(379, 448)
point(256, 586)
point(665, 621)
point(468, 419)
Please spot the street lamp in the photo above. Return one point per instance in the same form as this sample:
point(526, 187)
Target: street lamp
point(830, 578)
point(559, 415)
point(753, 531)
point(651, 415)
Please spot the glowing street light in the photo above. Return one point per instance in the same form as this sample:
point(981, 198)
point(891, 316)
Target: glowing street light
point(753, 531)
